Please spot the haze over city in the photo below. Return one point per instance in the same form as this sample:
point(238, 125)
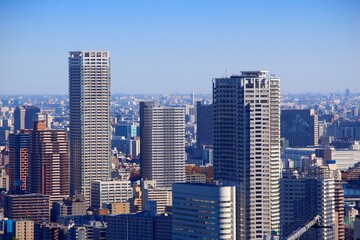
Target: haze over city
point(179, 46)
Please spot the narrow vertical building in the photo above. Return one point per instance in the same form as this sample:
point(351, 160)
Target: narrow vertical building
point(89, 92)
point(18, 160)
point(49, 162)
point(19, 118)
point(204, 134)
point(162, 144)
point(31, 113)
point(247, 148)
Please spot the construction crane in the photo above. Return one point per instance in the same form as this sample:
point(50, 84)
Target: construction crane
point(315, 222)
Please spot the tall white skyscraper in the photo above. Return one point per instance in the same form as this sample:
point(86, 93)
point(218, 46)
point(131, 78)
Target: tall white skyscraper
point(89, 92)
point(247, 148)
point(162, 144)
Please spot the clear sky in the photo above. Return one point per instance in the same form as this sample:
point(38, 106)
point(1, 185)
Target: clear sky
point(180, 45)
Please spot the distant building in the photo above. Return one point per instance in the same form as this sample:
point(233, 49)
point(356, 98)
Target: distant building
point(90, 129)
point(19, 118)
point(106, 192)
point(31, 113)
point(300, 127)
point(35, 207)
point(204, 135)
point(71, 206)
point(49, 162)
point(119, 208)
point(18, 160)
point(195, 178)
point(192, 203)
point(151, 192)
point(77, 233)
point(50, 231)
point(141, 225)
point(162, 144)
point(24, 230)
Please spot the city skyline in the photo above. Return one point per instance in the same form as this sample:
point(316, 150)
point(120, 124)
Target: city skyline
point(164, 47)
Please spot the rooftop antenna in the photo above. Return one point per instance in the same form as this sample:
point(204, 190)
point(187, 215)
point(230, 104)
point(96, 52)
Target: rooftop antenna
point(226, 73)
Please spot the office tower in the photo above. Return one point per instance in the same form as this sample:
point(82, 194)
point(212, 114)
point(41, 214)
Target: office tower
point(90, 130)
point(31, 113)
point(77, 233)
point(305, 196)
point(106, 192)
point(34, 207)
point(300, 127)
point(247, 148)
point(19, 118)
point(204, 134)
point(162, 144)
point(197, 209)
point(49, 162)
point(18, 160)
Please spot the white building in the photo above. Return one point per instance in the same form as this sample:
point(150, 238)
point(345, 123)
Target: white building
point(162, 134)
point(89, 96)
point(203, 211)
point(106, 192)
point(247, 148)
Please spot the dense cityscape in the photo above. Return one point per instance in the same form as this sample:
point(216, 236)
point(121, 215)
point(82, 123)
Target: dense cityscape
point(245, 162)
point(180, 120)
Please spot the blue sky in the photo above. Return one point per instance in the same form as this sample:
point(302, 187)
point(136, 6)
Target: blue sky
point(179, 46)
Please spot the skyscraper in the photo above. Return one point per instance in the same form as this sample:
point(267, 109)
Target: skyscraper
point(18, 160)
point(300, 127)
point(49, 162)
point(162, 144)
point(31, 113)
point(204, 135)
point(247, 148)
point(19, 118)
point(89, 92)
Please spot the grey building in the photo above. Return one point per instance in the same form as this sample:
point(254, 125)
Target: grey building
point(204, 135)
point(305, 196)
point(247, 148)
point(162, 144)
point(19, 118)
point(89, 92)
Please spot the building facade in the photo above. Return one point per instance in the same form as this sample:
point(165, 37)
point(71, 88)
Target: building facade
point(204, 134)
point(49, 162)
point(300, 127)
point(247, 148)
point(106, 192)
point(194, 202)
point(90, 130)
point(162, 144)
point(18, 160)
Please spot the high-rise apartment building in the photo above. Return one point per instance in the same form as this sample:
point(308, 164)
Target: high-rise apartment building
point(162, 144)
point(300, 127)
point(49, 162)
point(247, 148)
point(34, 207)
point(90, 130)
point(18, 160)
point(198, 208)
point(305, 196)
